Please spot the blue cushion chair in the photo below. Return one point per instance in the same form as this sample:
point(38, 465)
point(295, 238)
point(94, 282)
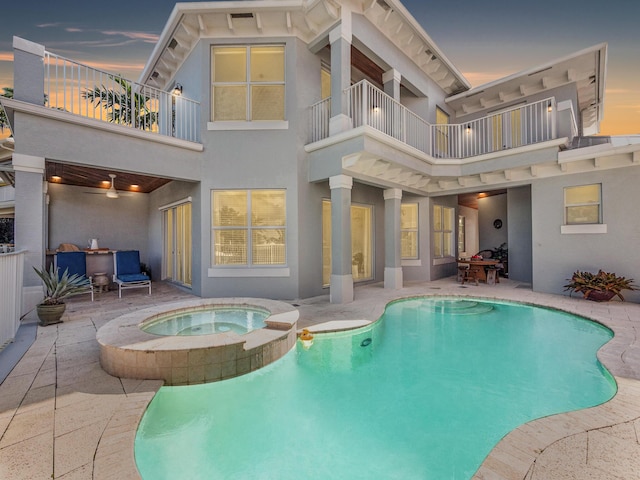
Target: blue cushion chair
point(76, 264)
point(127, 272)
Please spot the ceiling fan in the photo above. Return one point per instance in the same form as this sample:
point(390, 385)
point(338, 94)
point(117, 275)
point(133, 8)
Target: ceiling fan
point(112, 192)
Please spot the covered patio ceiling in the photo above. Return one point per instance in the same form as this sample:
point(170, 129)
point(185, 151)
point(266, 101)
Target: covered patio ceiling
point(67, 174)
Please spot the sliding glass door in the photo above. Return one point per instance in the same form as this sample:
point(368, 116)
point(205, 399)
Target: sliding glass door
point(176, 258)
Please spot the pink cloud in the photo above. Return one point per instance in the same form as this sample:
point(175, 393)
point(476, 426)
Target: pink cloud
point(73, 29)
point(144, 36)
point(6, 57)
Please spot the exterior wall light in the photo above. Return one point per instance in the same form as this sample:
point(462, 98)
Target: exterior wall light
point(469, 128)
point(177, 90)
point(549, 107)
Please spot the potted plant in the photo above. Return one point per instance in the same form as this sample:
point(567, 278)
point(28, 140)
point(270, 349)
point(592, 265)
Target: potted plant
point(601, 286)
point(57, 288)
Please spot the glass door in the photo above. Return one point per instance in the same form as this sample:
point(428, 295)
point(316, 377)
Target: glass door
point(176, 258)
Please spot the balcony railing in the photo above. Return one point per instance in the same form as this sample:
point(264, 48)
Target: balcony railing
point(367, 105)
point(11, 271)
point(92, 93)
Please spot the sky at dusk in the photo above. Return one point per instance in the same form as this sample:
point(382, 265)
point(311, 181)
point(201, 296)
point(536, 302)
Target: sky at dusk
point(484, 40)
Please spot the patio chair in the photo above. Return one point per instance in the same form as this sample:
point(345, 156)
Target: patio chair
point(127, 272)
point(76, 264)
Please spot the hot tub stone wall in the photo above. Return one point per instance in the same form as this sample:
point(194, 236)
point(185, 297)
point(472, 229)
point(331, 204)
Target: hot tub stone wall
point(126, 351)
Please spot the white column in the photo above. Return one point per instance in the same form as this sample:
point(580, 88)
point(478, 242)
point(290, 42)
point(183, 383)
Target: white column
point(391, 80)
point(30, 222)
point(392, 247)
point(341, 286)
point(340, 39)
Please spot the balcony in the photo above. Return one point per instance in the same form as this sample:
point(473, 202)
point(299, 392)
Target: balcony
point(369, 106)
point(88, 92)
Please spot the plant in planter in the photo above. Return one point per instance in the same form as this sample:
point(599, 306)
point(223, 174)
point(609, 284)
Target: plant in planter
point(57, 288)
point(601, 286)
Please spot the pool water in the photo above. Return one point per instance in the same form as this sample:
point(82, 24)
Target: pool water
point(240, 320)
point(425, 393)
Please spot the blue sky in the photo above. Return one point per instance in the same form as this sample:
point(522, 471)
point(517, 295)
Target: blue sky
point(485, 40)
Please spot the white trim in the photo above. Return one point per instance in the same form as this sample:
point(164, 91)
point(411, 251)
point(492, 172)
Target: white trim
point(392, 194)
point(412, 263)
point(175, 204)
point(253, 125)
point(588, 228)
point(390, 75)
point(41, 111)
point(28, 163)
point(340, 181)
point(28, 46)
point(444, 260)
point(248, 272)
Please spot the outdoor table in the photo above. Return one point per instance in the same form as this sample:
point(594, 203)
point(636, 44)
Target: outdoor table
point(478, 266)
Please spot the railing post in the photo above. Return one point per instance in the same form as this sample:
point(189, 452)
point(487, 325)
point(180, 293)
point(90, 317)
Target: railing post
point(365, 102)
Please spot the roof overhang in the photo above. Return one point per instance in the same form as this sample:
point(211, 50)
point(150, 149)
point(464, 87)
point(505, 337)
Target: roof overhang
point(586, 68)
point(309, 20)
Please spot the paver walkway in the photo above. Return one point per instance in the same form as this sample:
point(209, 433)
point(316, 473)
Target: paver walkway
point(63, 417)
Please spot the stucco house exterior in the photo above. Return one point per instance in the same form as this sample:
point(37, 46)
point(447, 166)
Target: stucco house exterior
point(290, 148)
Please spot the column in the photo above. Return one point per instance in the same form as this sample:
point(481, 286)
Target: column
point(391, 80)
point(340, 38)
point(341, 286)
point(392, 250)
point(30, 222)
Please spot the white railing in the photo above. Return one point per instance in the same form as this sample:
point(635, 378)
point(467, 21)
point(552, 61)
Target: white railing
point(11, 271)
point(367, 105)
point(511, 128)
point(93, 93)
point(320, 114)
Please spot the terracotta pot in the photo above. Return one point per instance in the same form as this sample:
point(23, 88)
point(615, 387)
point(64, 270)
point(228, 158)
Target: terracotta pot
point(50, 314)
point(600, 296)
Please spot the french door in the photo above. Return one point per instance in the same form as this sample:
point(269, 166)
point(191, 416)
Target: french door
point(176, 258)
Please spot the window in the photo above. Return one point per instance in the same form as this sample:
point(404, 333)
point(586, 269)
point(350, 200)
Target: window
point(361, 242)
point(409, 230)
point(247, 83)
point(249, 227)
point(461, 234)
point(443, 231)
point(582, 205)
point(442, 132)
point(325, 83)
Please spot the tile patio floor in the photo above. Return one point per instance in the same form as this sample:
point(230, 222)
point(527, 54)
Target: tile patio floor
point(63, 417)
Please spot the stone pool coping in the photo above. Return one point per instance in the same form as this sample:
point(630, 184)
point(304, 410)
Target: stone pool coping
point(128, 351)
point(59, 383)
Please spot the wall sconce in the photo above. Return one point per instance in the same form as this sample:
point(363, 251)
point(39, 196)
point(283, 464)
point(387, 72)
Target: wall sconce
point(376, 109)
point(177, 90)
point(549, 107)
point(468, 128)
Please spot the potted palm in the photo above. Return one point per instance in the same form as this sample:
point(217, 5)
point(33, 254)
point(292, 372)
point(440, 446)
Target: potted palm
point(57, 287)
point(601, 286)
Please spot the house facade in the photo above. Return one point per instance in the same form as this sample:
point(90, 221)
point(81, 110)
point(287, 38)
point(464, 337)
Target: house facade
point(290, 148)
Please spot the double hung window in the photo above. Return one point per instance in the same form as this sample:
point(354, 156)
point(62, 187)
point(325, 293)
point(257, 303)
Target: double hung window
point(249, 227)
point(443, 231)
point(247, 83)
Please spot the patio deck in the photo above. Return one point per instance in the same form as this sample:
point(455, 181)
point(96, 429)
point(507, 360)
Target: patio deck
point(63, 417)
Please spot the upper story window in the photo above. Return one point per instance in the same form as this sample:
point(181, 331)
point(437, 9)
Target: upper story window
point(247, 83)
point(582, 205)
point(441, 132)
point(325, 83)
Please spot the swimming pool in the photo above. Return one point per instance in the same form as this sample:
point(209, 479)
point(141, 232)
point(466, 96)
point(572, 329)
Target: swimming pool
point(240, 320)
point(424, 393)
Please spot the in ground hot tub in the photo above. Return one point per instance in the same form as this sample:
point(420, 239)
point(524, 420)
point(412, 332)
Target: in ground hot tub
point(174, 343)
point(212, 320)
